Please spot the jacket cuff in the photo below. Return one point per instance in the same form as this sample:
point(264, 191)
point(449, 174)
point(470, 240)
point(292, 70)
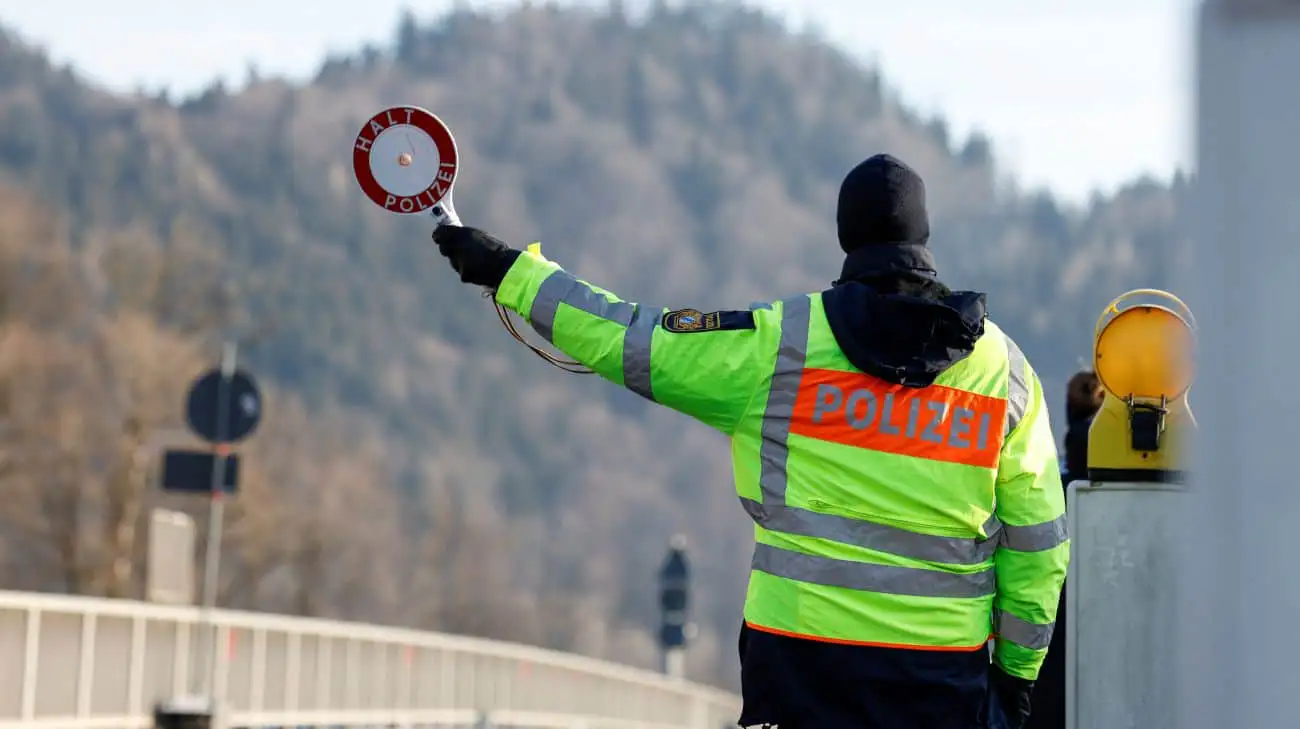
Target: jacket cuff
point(522, 281)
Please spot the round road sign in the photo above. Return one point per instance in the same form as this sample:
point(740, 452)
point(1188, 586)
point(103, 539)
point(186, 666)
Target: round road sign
point(405, 161)
point(243, 413)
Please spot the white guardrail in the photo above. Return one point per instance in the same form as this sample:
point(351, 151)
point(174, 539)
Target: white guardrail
point(90, 663)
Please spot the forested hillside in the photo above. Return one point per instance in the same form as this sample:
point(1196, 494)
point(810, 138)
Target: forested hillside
point(417, 466)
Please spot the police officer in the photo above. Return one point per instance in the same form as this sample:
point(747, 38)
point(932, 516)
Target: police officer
point(891, 445)
point(1083, 398)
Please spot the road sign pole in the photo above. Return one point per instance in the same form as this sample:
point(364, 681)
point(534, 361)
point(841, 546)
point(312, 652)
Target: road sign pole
point(216, 515)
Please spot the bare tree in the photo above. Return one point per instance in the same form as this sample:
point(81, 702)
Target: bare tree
point(463, 573)
point(89, 378)
point(323, 533)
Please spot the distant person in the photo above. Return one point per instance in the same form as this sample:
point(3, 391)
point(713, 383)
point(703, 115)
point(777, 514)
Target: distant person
point(1083, 397)
point(891, 445)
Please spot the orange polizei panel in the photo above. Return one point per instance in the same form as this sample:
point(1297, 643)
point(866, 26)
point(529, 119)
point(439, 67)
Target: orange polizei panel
point(937, 422)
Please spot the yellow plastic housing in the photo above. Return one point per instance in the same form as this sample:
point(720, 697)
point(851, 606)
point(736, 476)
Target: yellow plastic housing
point(1144, 355)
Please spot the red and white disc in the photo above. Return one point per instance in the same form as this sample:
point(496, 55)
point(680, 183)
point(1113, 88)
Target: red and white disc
point(405, 160)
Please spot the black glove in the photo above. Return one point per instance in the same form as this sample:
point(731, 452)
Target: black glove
point(478, 257)
point(1012, 694)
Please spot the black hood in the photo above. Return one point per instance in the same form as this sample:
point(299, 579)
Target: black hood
point(888, 311)
point(903, 338)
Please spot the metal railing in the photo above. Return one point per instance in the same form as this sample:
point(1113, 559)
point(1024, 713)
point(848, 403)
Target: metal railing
point(90, 663)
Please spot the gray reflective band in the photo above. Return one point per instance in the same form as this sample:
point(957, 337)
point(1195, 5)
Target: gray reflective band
point(992, 526)
point(1014, 630)
point(791, 355)
point(879, 537)
point(640, 320)
point(886, 579)
point(1036, 537)
point(562, 287)
point(1017, 385)
point(636, 350)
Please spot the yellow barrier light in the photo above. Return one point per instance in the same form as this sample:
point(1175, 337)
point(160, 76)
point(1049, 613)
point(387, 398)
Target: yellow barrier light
point(1144, 356)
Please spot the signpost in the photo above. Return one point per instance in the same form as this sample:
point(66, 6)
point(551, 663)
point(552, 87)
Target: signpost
point(242, 402)
point(224, 407)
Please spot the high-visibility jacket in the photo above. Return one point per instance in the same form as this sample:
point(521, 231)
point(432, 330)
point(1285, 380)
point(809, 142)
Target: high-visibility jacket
point(924, 518)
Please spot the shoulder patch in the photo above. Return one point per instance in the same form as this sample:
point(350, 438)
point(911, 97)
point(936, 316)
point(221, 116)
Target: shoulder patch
point(683, 321)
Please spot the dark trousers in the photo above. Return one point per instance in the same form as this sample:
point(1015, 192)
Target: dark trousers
point(804, 684)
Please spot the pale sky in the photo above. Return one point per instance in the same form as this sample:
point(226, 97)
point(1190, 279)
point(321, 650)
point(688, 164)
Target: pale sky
point(1078, 95)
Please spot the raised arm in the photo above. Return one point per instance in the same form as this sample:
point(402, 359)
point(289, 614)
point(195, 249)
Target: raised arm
point(706, 365)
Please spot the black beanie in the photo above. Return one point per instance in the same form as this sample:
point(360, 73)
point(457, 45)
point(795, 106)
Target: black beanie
point(882, 201)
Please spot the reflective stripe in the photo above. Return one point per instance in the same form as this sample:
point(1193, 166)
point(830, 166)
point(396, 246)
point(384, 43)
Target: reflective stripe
point(992, 527)
point(880, 537)
point(1010, 628)
point(791, 355)
point(637, 345)
point(1017, 385)
point(1030, 537)
point(562, 287)
point(885, 579)
point(774, 451)
point(1036, 537)
point(636, 350)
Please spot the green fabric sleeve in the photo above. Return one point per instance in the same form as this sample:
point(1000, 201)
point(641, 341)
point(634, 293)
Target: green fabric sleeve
point(710, 375)
point(1034, 549)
